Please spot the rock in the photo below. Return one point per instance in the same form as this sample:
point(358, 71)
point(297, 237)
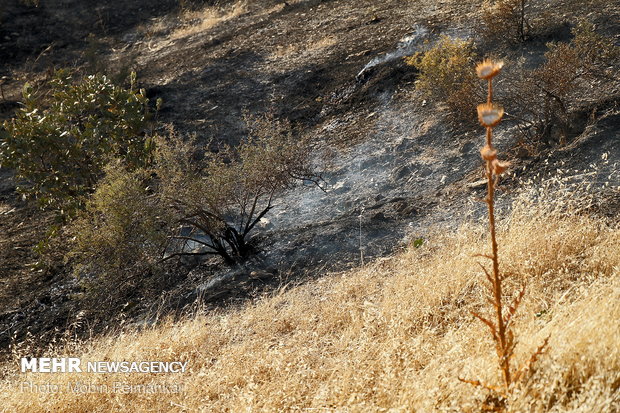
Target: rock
point(261, 275)
point(468, 147)
point(379, 217)
point(400, 173)
point(522, 153)
point(425, 171)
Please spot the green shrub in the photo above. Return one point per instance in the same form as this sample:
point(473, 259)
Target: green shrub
point(446, 76)
point(120, 236)
point(59, 145)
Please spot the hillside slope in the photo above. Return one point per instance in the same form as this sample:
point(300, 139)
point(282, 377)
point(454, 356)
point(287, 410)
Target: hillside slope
point(394, 335)
point(395, 167)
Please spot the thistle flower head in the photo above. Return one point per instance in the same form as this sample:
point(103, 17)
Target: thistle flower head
point(488, 68)
point(489, 114)
point(488, 153)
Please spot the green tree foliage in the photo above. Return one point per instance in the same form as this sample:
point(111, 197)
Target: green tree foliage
point(59, 145)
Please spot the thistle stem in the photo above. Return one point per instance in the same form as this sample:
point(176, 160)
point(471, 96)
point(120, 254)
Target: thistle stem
point(490, 94)
point(497, 282)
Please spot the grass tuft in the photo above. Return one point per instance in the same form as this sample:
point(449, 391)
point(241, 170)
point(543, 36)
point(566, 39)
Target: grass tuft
point(203, 20)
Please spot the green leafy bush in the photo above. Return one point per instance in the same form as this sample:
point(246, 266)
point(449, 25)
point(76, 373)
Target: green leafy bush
point(446, 76)
point(59, 145)
point(120, 236)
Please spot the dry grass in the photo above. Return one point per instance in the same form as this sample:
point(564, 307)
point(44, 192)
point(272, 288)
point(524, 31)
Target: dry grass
point(395, 334)
point(289, 50)
point(207, 18)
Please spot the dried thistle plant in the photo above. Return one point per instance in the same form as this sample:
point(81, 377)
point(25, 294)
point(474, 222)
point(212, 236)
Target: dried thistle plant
point(500, 323)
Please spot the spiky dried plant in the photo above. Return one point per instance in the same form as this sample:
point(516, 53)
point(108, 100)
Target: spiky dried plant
point(489, 115)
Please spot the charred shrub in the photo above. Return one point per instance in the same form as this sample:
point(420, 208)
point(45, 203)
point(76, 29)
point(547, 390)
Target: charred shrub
point(219, 199)
point(506, 21)
point(187, 203)
point(574, 74)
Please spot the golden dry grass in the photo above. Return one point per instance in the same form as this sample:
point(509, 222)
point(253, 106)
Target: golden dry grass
point(395, 334)
point(318, 45)
point(207, 18)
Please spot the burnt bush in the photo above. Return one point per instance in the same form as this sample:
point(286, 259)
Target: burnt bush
point(187, 203)
point(575, 74)
point(219, 199)
point(506, 21)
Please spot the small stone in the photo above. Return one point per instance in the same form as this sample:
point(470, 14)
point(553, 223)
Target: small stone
point(260, 275)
